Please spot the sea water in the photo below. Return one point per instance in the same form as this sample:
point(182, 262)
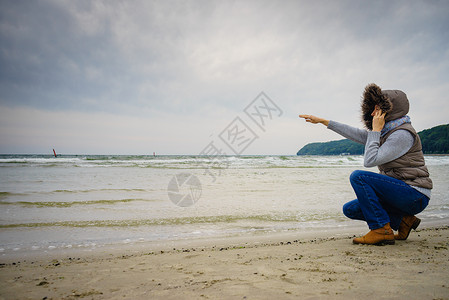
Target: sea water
point(98, 201)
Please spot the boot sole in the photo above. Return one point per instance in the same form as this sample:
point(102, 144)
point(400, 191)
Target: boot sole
point(385, 242)
point(381, 243)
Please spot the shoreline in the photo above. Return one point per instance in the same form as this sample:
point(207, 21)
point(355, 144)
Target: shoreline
point(246, 239)
point(314, 266)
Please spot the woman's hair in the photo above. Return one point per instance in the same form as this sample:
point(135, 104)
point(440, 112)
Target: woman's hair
point(373, 96)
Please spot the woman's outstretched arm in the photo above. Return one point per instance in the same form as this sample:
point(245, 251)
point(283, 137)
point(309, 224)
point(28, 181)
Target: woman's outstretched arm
point(355, 134)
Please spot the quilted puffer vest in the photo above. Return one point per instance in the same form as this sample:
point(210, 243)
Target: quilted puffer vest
point(410, 167)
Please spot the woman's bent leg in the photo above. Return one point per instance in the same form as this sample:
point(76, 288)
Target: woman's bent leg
point(375, 215)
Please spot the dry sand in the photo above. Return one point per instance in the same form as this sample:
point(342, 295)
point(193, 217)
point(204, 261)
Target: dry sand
point(329, 268)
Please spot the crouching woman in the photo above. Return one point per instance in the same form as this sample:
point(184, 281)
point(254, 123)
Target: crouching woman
point(388, 200)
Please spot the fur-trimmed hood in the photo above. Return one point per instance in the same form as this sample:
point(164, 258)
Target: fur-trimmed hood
point(393, 102)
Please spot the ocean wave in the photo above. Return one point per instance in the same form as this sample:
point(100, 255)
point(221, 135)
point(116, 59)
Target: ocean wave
point(71, 203)
point(98, 190)
point(192, 161)
point(310, 217)
point(5, 195)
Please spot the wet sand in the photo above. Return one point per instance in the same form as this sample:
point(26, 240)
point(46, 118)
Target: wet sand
point(315, 268)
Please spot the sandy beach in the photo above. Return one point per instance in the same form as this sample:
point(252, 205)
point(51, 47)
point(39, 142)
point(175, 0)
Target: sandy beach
point(329, 267)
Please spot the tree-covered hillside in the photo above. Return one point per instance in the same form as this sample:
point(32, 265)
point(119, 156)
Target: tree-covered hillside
point(332, 148)
point(435, 140)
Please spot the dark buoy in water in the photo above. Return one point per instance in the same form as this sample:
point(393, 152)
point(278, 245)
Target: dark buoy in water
point(54, 152)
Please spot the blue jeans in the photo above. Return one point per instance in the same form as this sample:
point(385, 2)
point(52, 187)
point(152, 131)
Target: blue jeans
point(382, 199)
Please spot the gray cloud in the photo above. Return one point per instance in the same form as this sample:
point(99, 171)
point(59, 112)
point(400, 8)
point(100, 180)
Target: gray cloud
point(206, 58)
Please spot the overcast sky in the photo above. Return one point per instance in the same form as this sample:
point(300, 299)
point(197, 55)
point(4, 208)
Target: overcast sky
point(137, 77)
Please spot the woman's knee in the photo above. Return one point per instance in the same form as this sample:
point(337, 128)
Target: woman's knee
point(357, 175)
point(352, 210)
point(347, 209)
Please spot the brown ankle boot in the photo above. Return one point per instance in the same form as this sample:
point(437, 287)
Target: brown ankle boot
point(407, 224)
point(379, 236)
